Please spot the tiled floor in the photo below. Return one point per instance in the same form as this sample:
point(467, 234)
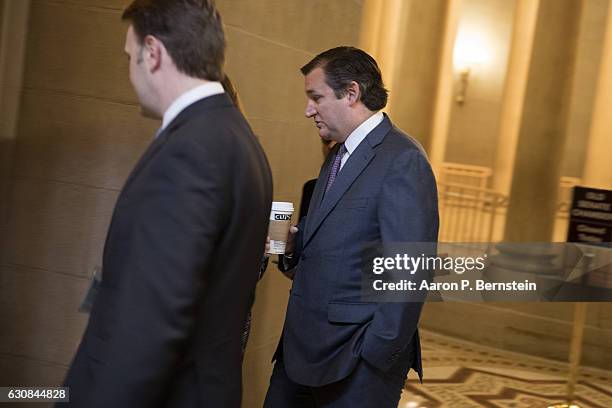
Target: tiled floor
point(461, 374)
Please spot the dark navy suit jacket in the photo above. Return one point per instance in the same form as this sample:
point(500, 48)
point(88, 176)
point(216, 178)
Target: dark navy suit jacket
point(385, 193)
point(180, 265)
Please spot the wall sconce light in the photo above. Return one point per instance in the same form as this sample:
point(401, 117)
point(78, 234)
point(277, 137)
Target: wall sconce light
point(470, 52)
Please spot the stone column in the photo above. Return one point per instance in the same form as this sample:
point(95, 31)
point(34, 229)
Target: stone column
point(416, 77)
point(543, 126)
point(444, 89)
point(415, 57)
point(514, 92)
point(598, 165)
point(381, 28)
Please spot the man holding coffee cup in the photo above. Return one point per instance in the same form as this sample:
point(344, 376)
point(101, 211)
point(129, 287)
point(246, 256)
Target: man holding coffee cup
point(376, 187)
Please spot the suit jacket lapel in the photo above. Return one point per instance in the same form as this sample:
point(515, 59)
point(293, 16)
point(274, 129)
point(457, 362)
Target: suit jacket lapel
point(358, 161)
point(214, 101)
point(148, 154)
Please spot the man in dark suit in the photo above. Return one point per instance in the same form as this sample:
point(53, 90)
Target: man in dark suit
point(376, 187)
point(183, 249)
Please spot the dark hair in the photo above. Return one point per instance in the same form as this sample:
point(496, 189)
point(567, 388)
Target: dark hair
point(342, 65)
point(191, 31)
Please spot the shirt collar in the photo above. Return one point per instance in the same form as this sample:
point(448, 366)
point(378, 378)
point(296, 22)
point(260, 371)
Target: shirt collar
point(188, 98)
point(357, 135)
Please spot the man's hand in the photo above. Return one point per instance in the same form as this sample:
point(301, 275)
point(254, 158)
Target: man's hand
point(290, 239)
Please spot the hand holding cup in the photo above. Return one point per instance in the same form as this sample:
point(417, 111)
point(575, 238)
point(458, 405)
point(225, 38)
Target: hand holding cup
point(278, 232)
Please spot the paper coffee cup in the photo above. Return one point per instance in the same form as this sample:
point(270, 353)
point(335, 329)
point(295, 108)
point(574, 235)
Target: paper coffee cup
point(280, 221)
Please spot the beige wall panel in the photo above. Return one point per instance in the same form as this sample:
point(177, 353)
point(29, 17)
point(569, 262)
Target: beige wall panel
point(313, 26)
point(267, 325)
point(497, 326)
point(269, 309)
point(13, 29)
point(58, 227)
point(1, 18)
point(472, 134)
point(40, 315)
point(6, 173)
point(267, 76)
point(80, 140)
point(77, 50)
point(474, 125)
point(294, 153)
point(273, 98)
point(256, 371)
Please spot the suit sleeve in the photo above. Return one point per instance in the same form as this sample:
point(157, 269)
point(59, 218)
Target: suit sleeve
point(407, 212)
point(179, 215)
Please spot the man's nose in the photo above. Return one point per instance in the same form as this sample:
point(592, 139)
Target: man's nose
point(310, 110)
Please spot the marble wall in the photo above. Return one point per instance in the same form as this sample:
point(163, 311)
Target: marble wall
point(584, 87)
point(79, 133)
point(474, 125)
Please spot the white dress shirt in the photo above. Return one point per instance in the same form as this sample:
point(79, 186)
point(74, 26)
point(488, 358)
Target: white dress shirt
point(357, 135)
point(188, 98)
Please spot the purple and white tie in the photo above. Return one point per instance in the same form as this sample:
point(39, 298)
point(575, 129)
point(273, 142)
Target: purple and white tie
point(335, 167)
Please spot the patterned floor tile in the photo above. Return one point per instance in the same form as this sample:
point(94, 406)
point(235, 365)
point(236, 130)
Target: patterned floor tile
point(461, 374)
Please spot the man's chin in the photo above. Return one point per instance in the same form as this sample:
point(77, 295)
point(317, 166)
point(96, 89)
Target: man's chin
point(149, 113)
point(324, 135)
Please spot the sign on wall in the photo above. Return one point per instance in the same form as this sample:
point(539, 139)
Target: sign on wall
point(590, 216)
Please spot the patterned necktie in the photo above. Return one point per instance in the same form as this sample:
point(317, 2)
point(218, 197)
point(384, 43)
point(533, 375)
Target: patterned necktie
point(335, 167)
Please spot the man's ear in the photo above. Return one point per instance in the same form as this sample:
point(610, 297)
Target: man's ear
point(353, 93)
point(152, 52)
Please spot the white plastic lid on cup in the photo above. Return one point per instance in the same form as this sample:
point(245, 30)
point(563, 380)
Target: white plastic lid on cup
point(282, 206)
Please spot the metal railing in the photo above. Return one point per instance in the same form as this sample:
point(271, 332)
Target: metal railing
point(470, 214)
point(465, 174)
